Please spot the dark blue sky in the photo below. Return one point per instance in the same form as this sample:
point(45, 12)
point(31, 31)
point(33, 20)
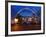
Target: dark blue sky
point(16, 8)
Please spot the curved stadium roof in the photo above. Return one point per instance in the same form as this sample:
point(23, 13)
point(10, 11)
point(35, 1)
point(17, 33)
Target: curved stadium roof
point(26, 12)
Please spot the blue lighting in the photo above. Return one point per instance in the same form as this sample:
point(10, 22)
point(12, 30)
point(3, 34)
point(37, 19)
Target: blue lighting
point(25, 12)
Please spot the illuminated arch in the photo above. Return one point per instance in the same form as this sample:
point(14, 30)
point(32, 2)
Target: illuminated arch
point(25, 9)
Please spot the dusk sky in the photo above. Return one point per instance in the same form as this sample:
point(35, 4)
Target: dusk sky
point(25, 12)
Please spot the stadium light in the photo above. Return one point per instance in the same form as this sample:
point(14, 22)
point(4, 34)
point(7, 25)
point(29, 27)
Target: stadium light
point(16, 20)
